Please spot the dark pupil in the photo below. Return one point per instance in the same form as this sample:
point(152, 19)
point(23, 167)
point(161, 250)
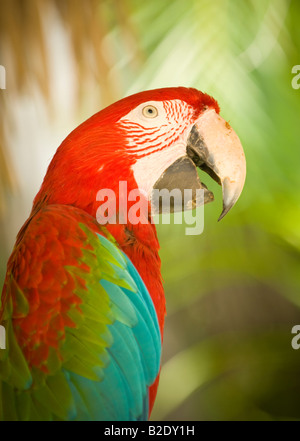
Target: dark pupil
point(150, 110)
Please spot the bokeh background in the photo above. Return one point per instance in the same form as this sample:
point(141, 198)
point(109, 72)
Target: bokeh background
point(233, 292)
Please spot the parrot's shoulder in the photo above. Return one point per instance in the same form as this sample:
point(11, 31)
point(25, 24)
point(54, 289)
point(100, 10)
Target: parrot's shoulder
point(82, 332)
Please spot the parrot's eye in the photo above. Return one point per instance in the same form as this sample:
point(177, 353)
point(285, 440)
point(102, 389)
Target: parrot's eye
point(150, 111)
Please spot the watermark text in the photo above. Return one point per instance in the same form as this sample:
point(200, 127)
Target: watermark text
point(134, 207)
point(296, 78)
point(2, 337)
point(296, 340)
point(2, 77)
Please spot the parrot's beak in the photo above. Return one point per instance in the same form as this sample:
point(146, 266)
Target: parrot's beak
point(215, 148)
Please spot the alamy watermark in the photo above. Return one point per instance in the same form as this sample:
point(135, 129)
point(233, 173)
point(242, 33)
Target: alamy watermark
point(2, 337)
point(295, 340)
point(296, 78)
point(2, 77)
point(133, 207)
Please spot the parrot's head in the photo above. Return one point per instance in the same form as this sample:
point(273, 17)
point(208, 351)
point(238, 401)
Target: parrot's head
point(153, 140)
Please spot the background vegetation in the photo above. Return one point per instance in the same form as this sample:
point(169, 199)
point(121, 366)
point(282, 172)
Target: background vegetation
point(233, 292)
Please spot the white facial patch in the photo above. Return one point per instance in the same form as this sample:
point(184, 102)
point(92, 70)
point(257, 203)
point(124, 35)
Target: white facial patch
point(156, 135)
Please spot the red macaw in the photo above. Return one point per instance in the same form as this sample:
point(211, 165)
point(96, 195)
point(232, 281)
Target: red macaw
point(83, 304)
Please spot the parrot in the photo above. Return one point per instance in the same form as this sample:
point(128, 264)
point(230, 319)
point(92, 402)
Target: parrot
point(83, 304)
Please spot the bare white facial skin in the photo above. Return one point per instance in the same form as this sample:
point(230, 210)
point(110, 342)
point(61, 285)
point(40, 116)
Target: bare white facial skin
point(157, 135)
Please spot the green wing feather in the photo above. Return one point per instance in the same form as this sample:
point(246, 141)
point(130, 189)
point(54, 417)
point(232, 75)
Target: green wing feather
point(82, 336)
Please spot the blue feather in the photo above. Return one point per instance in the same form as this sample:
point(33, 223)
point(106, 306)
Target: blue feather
point(133, 354)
